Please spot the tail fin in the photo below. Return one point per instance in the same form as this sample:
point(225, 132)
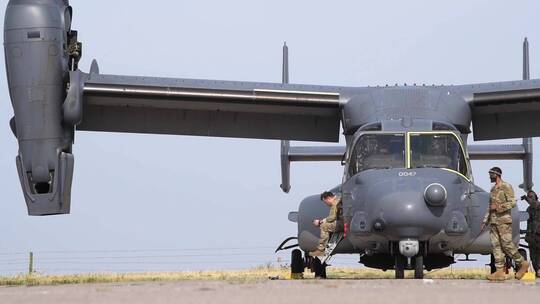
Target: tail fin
point(285, 144)
point(522, 152)
point(527, 142)
point(310, 153)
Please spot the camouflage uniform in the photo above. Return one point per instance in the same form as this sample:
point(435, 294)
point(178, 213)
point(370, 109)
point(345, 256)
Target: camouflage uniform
point(532, 237)
point(500, 222)
point(329, 224)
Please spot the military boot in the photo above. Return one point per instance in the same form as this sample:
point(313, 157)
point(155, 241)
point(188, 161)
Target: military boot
point(522, 270)
point(498, 275)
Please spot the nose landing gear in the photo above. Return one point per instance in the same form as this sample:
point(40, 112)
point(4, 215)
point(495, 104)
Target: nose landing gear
point(416, 263)
point(409, 254)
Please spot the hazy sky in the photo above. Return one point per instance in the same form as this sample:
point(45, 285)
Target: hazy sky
point(149, 192)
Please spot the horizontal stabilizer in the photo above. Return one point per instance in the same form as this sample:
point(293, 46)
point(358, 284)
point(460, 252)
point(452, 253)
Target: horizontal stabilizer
point(322, 153)
point(305, 153)
point(496, 152)
point(523, 152)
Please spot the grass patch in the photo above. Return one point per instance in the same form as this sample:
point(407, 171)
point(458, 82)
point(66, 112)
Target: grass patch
point(234, 276)
point(445, 273)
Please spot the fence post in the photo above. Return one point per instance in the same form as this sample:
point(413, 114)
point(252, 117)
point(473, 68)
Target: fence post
point(31, 263)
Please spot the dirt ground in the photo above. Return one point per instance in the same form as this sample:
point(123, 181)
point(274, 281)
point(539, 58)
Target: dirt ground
point(280, 291)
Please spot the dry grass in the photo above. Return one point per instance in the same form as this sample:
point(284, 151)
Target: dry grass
point(239, 276)
point(446, 273)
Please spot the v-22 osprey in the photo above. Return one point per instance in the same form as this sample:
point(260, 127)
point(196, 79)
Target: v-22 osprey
point(408, 195)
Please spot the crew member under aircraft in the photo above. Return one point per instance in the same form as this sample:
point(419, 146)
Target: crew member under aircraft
point(328, 224)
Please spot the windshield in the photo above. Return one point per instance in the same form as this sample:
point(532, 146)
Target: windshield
point(437, 151)
point(378, 151)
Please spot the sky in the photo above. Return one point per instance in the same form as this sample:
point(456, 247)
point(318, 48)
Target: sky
point(161, 196)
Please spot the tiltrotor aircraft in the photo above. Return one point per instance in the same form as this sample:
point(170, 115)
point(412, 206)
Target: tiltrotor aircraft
point(409, 199)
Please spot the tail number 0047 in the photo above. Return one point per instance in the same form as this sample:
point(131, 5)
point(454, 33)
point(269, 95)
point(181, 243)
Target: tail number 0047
point(407, 174)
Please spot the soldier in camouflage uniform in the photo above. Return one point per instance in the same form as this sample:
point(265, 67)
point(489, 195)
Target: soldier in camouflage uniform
point(328, 224)
point(499, 219)
point(532, 237)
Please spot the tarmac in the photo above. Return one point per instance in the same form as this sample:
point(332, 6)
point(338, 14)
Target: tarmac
point(280, 291)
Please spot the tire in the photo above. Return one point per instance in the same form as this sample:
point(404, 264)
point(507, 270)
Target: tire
point(419, 267)
point(399, 266)
point(297, 262)
point(319, 269)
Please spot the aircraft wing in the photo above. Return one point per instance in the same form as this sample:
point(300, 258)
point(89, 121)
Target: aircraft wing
point(505, 109)
point(209, 108)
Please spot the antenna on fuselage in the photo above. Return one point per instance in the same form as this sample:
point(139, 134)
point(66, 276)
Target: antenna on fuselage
point(285, 144)
point(526, 75)
point(527, 142)
point(285, 65)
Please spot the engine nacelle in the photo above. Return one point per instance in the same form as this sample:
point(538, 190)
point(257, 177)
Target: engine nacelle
point(37, 51)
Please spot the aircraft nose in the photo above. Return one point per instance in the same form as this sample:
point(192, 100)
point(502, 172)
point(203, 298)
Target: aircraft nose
point(409, 214)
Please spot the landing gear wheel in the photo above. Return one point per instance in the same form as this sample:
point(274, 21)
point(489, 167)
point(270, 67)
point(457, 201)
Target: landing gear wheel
point(297, 264)
point(419, 267)
point(319, 268)
point(400, 266)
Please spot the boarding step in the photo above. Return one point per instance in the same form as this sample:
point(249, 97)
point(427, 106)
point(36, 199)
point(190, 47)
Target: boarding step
point(334, 241)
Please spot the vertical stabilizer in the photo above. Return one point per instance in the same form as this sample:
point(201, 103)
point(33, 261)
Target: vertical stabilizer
point(285, 70)
point(527, 142)
point(526, 75)
point(285, 144)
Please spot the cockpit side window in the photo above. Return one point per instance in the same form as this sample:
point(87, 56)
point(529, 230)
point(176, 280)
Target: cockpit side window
point(437, 151)
point(377, 151)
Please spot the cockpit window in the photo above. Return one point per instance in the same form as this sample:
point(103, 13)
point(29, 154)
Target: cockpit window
point(378, 151)
point(437, 151)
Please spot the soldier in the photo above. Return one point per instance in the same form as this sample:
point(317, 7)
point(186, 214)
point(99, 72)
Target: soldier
point(532, 237)
point(328, 224)
point(499, 219)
